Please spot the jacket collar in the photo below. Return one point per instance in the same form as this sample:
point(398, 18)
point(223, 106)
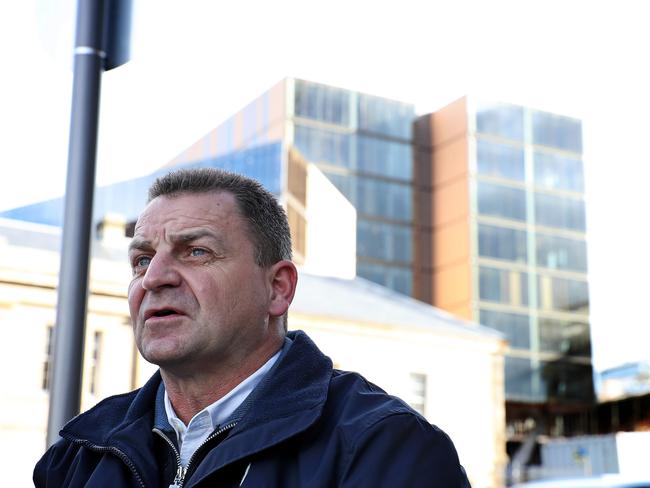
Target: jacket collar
point(286, 402)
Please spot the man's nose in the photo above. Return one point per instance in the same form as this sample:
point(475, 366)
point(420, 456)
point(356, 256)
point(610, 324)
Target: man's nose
point(161, 272)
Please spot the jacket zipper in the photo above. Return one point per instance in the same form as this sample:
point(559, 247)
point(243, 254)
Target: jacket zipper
point(181, 471)
point(123, 457)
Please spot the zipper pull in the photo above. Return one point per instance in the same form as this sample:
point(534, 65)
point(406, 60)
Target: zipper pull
point(180, 477)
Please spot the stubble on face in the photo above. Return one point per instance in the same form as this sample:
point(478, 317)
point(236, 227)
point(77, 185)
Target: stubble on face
point(197, 295)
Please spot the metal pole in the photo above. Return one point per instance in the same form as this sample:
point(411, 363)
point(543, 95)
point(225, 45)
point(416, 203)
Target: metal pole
point(65, 392)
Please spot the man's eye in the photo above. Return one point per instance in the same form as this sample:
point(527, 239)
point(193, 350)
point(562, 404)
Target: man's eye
point(197, 251)
point(142, 261)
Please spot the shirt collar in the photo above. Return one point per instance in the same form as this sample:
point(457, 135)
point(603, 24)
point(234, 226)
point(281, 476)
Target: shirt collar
point(222, 409)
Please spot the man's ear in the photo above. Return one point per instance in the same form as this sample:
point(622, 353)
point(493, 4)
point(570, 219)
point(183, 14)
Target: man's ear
point(283, 277)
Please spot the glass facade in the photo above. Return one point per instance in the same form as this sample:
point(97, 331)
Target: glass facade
point(128, 198)
point(502, 243)
point(531, 249)
point(363, 144)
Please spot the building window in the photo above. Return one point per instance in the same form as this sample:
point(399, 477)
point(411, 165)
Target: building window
point(94, 364)
point(502, 160)
point(321, 102)
point(561, 212)
point(502, 243)
point(501, 201)
point(418, 392)
point(501, 120)
point(561, 253)
point(557, 131)
point(47, 362)
point(568, 338)
point(558, 172)
point(503, 286)
point(516, 327)
point(563, 294)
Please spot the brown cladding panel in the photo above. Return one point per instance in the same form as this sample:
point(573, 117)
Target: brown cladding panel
point(451, 244)
point(452, 289)
point(450, 122)
point(451, 203)
point(450, 162)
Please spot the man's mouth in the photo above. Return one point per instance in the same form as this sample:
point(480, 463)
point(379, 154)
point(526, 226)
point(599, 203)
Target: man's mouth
point(159, 313)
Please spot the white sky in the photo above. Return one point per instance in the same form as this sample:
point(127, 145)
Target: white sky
point(196, 62)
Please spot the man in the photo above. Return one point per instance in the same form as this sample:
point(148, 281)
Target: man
point(237, 400)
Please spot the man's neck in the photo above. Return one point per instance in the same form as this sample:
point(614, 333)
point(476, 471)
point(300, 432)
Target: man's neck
point(189, 394)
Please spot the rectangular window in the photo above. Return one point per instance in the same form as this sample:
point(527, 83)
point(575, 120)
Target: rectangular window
point(418, 392)
point(519, 379)
point(502, 243)
point(503, 160)
point(386, 117)
point(380, 240)
point(47, 361)
point(322, 102)
point(561, 253)
point(324, 146)
point(558, 172)
point(568, 338)
point(561, 212)
point(557, 131)
point(384, 158)
point(501, 120)
point(562, 294)
point(515, 326)
point(503, 286)
point(501, 201)
point(396, 278)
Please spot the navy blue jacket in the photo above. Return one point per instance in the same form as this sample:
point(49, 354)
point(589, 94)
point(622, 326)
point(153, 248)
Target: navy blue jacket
point(305, 425)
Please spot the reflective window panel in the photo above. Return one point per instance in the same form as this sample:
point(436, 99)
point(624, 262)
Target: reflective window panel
point(503, 160)
point(561, 252)
point(503, 286)
point(558, 211)
point(501, 120)
point(384, 241)
point(501, 201)
point(502, 243)
point(569, 338)
point(324, 146)
point(376, 198)
point(514, 326)
point(564, 380)
point(562, 294)
point(396, 278)
point(321, 102)
point(387, 117)
point(558, 172)
point(384, 157)
point(519, 379)
point(557, 131)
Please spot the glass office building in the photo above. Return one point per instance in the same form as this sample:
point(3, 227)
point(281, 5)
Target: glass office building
point(362, 143)
point(506, 213)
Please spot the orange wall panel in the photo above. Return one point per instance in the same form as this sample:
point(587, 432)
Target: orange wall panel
point(451, 244)
point(450, 161)
point(450, 122)
point(452, 289)
point(450, 202)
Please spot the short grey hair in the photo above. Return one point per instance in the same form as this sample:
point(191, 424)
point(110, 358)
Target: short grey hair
point(267, 221)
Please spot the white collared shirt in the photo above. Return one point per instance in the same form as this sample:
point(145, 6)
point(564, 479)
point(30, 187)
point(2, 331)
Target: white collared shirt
point(190, 437)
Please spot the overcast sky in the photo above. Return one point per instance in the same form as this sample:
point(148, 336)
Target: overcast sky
point(196, 62)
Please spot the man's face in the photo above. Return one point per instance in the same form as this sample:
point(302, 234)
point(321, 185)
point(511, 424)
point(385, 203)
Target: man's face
point(197, 297)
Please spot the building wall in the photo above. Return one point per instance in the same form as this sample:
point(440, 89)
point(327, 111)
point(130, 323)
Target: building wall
point(445, 141)
point(508, 245)
point(28, 278)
